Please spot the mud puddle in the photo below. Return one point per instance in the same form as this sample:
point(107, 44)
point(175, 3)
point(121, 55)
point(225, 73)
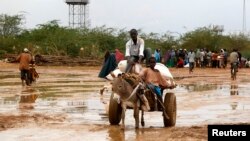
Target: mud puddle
point(72, 101)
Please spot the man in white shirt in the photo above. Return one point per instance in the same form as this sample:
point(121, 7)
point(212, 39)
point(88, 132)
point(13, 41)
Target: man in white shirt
point(191, 59)
point(202, 55)
point(134, 49)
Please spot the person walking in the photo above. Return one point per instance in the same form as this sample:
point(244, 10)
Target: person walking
point(191, 59)
point(234, 60)
point(24, 60)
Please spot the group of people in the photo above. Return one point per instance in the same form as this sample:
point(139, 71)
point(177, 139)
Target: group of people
point(200, 58)
point(134, 53)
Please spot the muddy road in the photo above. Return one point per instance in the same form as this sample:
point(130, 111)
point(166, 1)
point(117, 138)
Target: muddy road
point(64, 104)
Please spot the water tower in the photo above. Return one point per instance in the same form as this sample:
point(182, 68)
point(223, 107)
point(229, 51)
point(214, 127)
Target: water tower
point(78, 13)
point(244, 26)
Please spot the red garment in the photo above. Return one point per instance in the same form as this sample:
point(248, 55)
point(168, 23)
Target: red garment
point(118, 55)
point(214, 56)
point(180, 63)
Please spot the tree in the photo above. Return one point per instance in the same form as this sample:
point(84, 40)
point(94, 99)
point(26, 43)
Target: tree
point(10, 25)
point(205, 37)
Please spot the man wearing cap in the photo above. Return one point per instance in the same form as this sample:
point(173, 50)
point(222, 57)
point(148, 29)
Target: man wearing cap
point(134, 49)
point(24, 60)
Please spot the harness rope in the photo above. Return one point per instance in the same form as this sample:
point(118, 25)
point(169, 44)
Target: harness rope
point(135, 90)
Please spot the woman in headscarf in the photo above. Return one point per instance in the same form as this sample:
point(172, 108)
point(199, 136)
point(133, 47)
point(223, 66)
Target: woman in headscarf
point(109, 64)
point(157, 56)
point(118, 56)
point(167, 58)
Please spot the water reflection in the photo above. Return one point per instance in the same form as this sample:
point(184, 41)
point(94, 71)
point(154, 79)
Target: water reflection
point(116, 134)
point(234, 105)
point(199, 87)
point(27, 98)
point(75, 107)
point(234, 89)
point(8, 101)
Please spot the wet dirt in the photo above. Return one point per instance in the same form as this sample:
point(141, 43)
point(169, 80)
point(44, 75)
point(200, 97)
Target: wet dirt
point(65, 104)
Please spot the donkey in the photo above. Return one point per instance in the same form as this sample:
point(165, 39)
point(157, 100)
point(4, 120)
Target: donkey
point(129, 97)
point(32, 74)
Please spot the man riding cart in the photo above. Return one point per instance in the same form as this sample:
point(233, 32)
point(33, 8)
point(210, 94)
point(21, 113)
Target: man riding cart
point(147, 87)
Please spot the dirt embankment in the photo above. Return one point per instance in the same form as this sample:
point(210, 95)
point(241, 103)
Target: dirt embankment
point(50, 60)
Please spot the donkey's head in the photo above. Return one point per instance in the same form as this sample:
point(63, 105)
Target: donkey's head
point(121, 87)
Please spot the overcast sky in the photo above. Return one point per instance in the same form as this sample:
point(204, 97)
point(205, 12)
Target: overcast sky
point(149, 15)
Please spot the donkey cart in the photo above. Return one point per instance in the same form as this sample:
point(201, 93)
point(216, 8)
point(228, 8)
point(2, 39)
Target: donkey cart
point(156, 103)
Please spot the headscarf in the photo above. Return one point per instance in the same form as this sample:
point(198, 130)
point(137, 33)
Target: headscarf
point(108, 66)
point(167, 55)
point(157, 56)
point(118, 55)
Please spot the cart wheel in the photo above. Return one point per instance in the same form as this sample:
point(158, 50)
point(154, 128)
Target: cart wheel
point(115, 111)
point(170, 108)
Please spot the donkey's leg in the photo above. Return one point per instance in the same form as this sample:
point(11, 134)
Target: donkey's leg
point(136, 115)
point(142, 118)
point(123, 116)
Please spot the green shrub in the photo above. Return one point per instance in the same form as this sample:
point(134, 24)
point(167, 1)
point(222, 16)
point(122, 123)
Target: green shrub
point(2, 52)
